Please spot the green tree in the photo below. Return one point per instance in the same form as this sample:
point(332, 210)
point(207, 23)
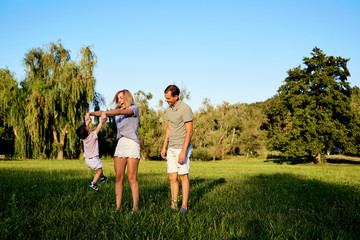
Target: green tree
point(51, 102)
point(312, 112)
point(228, 129)
point(251, 137)
point(151, 126)
point(352, 146)
point(8, 92)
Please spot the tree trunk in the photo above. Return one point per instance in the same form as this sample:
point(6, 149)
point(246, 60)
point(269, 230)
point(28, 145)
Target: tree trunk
point(60, 154)
point(15, 133)
point(62, 143)
point(233, 136)
point(318, 159)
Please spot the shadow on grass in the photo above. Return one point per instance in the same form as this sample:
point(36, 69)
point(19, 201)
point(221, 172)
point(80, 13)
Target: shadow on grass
point(59, 204)
point(341, 161)
point(291, 161)
point(285, 206)
point(200, 187)
point(334, 159)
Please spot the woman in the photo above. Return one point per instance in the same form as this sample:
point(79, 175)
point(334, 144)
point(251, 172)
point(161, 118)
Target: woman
point(127, 152)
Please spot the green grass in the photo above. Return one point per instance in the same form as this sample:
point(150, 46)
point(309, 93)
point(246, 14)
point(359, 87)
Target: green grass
point(232, 199)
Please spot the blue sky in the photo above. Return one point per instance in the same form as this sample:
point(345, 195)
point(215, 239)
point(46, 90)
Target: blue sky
point(225, 50)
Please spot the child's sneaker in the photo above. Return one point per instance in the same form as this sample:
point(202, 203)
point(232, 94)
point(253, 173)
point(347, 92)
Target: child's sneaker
point(94, 186)
point(103, 178)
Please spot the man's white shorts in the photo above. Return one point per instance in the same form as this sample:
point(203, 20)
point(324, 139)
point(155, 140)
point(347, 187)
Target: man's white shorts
point(172, 161)
point(94, 163)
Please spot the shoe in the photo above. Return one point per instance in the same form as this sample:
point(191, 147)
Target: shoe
point(172, 209)
point(113, 213)
point(183, 210)
point(94, 186)
point(103, 178)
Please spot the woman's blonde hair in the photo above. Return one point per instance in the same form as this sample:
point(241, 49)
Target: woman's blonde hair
point(128, 98)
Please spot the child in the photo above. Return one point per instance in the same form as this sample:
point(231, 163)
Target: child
point(91, 150)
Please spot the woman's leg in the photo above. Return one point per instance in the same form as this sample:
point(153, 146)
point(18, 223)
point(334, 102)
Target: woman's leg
point(119, 165)
point(132, 171)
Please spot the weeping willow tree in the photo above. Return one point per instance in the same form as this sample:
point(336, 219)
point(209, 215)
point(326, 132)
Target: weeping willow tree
point(51, 101)
point(12, 100)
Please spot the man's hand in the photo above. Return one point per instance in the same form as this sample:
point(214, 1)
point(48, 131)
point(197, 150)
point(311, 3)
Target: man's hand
point(163, 152)
point(181, 158)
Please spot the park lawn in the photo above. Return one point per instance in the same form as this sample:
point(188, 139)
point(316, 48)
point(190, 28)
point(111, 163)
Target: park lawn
point(237, 198)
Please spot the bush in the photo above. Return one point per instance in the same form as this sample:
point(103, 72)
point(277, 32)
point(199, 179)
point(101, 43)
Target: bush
point(201, 154)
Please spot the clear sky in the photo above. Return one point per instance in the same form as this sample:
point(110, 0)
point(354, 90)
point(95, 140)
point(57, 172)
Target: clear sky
point(224, 50)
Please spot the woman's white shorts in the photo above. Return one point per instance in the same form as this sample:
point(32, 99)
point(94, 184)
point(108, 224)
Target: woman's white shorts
point(94, 163)
point(127, 148)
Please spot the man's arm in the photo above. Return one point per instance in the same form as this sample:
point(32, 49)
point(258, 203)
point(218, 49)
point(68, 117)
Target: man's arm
point(189, 132)
point(167, 132)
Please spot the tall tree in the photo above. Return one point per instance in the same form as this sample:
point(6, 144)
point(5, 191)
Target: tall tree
point(8, 96)
point(312, 112)
point(151, 126)
point(228, 129)
point(52, 100)
point(352, 146)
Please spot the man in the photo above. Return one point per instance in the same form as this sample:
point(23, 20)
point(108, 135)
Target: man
point(178, 136)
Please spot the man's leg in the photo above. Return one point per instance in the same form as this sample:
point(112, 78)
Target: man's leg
point(174, 189)
point(185, 186)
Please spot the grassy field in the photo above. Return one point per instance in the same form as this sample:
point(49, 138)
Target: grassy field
point(231, 199)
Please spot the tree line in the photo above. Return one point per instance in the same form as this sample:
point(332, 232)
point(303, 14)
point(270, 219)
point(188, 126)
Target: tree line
point(315, 112)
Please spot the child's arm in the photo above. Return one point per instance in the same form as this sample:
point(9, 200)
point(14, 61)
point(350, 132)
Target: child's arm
point(87, 119)
point(102, 120)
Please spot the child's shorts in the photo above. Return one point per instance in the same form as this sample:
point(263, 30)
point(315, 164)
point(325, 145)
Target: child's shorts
point(172, 161)
point(94, 163)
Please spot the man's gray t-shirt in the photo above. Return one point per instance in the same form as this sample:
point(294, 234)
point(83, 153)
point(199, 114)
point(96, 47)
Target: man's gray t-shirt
point(178, 115)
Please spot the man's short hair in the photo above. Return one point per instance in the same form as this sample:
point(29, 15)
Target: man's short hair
point(175, 91)
point(82, 132)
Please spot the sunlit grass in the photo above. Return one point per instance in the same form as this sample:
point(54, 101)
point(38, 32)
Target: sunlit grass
point(235, 198)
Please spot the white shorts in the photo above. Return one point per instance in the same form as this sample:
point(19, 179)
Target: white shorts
point(94, 163)
point(172, 161)
point(127, 148)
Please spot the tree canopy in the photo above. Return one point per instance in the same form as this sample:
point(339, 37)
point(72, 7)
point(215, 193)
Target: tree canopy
point(50, 102)
point(312, 112)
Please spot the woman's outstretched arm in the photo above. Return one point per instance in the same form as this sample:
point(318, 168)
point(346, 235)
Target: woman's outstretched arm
point(96, 114)
point(114, 112)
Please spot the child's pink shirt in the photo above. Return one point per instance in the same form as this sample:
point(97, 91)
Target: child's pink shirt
point(91, 145)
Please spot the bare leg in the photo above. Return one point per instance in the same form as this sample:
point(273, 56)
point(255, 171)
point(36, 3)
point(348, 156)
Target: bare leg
point(119, 165)
point(97, 175)
point(174, 189)
point(132, 171)
point(185, 186)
